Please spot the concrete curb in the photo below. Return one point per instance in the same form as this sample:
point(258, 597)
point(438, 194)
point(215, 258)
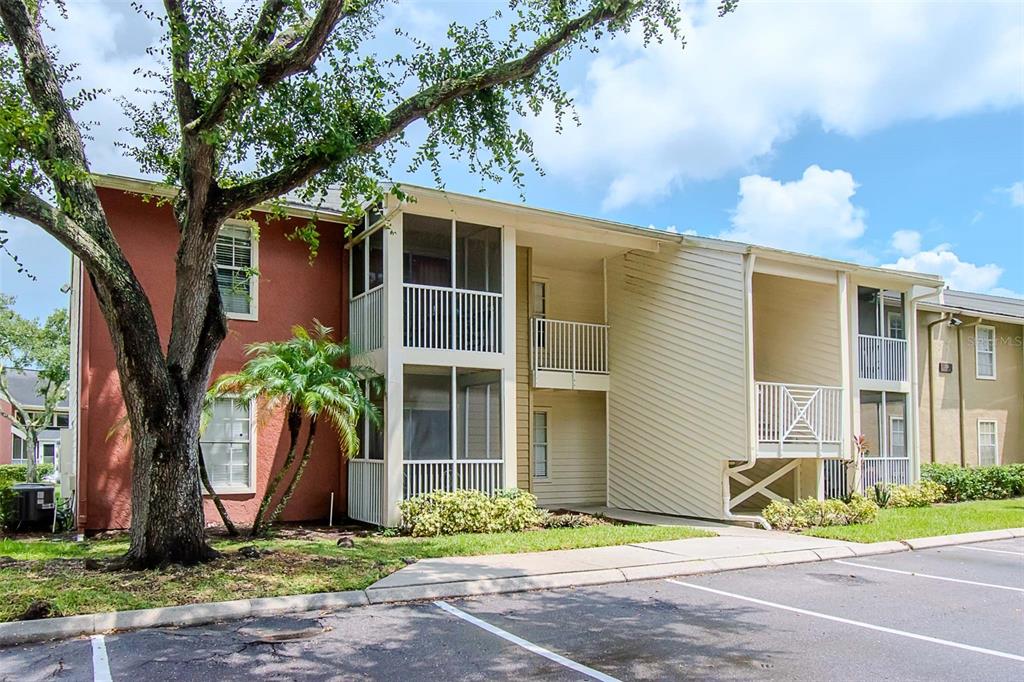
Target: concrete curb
point(23, 632)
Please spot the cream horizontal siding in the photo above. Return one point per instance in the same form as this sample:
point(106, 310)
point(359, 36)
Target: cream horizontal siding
point(576, 448)
point(572, 295)
point(678, 400)
point(523, 368)
point(796, 331)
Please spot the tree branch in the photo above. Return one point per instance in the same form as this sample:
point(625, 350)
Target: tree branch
point(420, 105)
point(181, 57)
point(293, 51)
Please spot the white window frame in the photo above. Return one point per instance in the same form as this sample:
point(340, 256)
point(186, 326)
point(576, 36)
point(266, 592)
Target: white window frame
point(978, 352)
point(254, 265)
point(250, 488)
point(893, 419)
point(41, 445)
point(546, 411)
point(17, 433)
point(891, 315)
point(995, 441)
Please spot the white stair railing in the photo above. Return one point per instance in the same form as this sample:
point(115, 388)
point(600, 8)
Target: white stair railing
point(881, 357)
point(799, 414)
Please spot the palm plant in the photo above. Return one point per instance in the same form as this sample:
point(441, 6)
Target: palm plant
point(305, 376)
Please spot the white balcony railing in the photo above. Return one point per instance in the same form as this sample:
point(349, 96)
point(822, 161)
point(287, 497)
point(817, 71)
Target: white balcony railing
point(798, 414)
point(426, 476)
point(891, 470)
point(562, 346)
point(452, 319)
point(366, 321)
point(366, 490)
point(882, 357)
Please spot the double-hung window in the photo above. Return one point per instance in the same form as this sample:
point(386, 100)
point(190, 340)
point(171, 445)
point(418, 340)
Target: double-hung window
point(985, 352)
point(540, 445)
point(988, 443)
point(228, 447)
point(18, 451)
point(236, 258)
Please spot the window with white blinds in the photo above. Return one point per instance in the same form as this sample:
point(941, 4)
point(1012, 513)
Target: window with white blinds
point(988, 443)
point(540, 445)
point(236, 261)
point(985, 352)
point(227, 449)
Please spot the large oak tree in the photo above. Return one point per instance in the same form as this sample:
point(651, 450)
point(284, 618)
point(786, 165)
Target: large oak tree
point(276, 97)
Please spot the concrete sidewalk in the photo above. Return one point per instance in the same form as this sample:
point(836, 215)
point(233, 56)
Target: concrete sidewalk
point(734, 547)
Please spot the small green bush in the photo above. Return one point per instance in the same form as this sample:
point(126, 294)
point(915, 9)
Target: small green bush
point(469, 511)
point(809, 512)
point(921, 494)
point(976, 483)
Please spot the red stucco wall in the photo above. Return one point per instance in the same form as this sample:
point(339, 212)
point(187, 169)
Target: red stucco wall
point(291, 291)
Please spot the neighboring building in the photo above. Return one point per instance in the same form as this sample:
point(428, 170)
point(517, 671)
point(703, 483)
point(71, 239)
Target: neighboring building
point(289, 290)
point(590, 362)
point(14, 447)
point(972, 379)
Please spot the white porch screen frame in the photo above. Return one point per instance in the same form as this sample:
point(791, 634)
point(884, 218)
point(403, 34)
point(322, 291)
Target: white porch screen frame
point(985, 352)
point(988, 442)
point(237, 252)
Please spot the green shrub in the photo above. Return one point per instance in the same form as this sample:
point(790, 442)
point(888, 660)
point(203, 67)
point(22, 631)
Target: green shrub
point(810, 512)
point(469, 511)
point(976, 483)
point(881, 494)
point(919, 494)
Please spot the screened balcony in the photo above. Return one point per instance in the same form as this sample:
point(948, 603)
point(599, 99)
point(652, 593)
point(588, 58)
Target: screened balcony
point(882, 351)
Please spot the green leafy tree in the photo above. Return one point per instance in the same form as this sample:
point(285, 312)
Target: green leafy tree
point(254, 102)
point(25, 344)
point(305, 376)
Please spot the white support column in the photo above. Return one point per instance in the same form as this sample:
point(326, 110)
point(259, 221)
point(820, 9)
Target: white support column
point(912, 406)
point(394, 446)
point(508, 354)
point(847, 343)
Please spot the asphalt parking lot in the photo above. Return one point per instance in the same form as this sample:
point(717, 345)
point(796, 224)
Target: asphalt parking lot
point(950, 613)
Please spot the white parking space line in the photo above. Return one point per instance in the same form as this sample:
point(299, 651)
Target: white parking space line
point(529, 646)
point(100, 664)
point(931, 577)
point(855, 623)
point(988, 549)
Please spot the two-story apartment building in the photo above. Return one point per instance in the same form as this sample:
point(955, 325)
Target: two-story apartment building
point(588, 361)
point(595, 362)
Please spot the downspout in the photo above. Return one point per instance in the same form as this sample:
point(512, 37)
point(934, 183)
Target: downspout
point(944, 317)
point(748, 304)
point(962, 406)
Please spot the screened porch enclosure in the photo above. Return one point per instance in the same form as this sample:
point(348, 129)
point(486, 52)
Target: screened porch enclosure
point(883, 422)
point(451, 430)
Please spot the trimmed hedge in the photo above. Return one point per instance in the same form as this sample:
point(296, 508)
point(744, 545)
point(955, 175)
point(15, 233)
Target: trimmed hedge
point(976, 483)
point(810, 512)
point(921, 494)
point(469, 511)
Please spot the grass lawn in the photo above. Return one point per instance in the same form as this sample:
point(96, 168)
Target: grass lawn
point(941, 519)
point(54, 571)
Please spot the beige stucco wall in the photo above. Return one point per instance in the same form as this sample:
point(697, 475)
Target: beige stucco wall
point(1001, 399)
point(796, 331)
point(576, 448)
point(677, 408)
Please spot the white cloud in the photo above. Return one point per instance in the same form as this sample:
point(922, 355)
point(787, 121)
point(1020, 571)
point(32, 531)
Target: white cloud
point(654, 118)
point(1016, 192)
point(959, 274)
point(814, 214)
point(906, 242)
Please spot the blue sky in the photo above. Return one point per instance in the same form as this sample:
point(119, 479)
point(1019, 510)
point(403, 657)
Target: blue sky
point(884, 133)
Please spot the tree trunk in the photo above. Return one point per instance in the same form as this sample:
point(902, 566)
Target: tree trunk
point(31, 453)
point(307, 452)
point(217, 502)
point(294, 426)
